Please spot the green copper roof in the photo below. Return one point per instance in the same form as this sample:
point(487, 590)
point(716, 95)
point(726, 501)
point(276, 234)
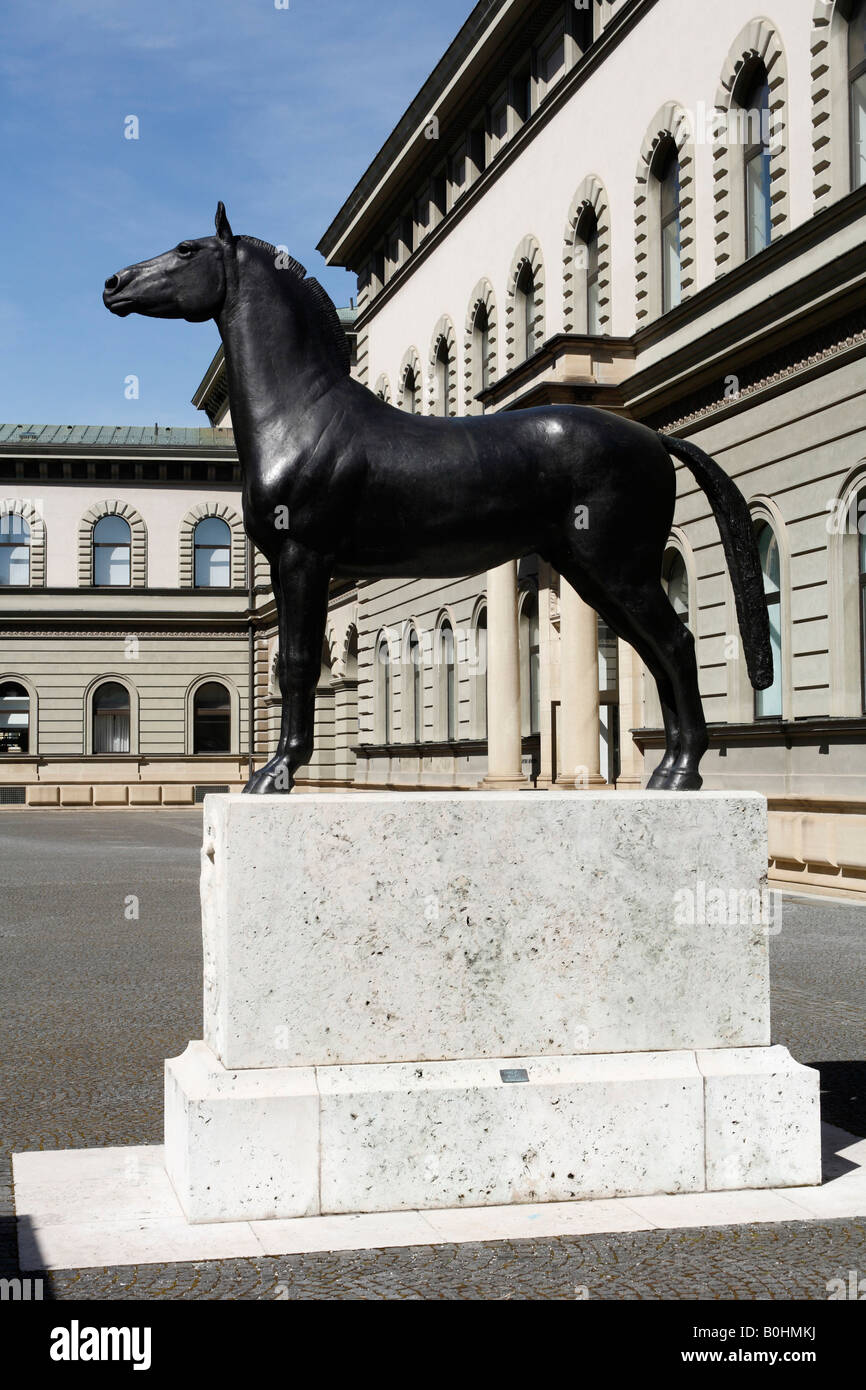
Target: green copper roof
point(116, 436)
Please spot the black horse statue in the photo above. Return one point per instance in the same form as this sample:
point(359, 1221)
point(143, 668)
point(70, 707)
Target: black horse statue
point(337, 483)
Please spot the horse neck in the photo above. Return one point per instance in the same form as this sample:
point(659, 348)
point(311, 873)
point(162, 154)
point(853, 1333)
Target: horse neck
point(273, 369)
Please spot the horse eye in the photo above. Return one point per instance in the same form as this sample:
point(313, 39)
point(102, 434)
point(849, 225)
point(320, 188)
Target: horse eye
point(185, 249)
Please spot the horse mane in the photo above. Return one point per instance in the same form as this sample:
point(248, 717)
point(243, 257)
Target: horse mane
point(318, 300)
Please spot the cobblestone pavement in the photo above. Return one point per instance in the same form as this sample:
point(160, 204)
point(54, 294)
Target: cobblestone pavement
point(101, 980)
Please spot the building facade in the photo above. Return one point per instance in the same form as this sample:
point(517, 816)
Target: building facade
point(124, 616)
point(658, 208)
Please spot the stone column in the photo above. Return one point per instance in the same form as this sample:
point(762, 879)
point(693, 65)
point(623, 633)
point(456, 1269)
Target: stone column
point(630, 717)
point(578, 678)
point(503, 682)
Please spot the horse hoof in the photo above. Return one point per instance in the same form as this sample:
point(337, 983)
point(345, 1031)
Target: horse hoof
point(660, 779)
point(274, 779)
point(685, 782)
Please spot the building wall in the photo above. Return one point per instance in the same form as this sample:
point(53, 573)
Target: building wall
point(600, 131)
point(160, 637)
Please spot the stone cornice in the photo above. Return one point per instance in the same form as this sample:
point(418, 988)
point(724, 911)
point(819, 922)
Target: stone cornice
point(343, 244)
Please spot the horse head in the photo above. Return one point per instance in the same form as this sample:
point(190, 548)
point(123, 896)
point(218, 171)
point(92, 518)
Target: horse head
point(188, 282)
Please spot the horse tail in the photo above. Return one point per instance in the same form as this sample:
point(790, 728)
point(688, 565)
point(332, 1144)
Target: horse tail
point(741, 552)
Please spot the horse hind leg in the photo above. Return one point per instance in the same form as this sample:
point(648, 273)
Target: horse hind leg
point(648, 622)
point(643, 616)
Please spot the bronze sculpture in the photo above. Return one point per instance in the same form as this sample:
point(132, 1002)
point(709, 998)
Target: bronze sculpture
point(337, 483)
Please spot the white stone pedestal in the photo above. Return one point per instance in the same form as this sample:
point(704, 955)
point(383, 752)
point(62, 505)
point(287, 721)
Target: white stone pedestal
point(431, 1000)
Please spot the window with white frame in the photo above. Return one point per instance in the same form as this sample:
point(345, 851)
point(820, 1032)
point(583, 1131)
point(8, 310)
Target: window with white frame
point(525, 311)
point(667, 175)
point(587, 268)
point(753, 99)
point(14, 550)
point(416, 681)
point(112, 552)
point(212, 542)
point(383, 690)
point(481, 347)
point(447, 682)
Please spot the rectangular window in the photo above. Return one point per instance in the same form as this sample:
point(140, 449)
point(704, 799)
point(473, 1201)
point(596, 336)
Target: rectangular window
point(407, 234)
point(111, 565)
point(14, 564)
point(498, 126)
point(393, 251)
point(551, 63)
point(438, 192)
point(759, 229)
point(422, 215)
point(111, 731)
point(458, 174)
point(522, 93)
point(671, 274)
point(477, 150)
point(212, 567)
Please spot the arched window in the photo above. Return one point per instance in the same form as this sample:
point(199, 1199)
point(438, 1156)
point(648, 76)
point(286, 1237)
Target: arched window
point(525, 310)
point(530, 691)
point(441, 378)
point(111, 718)
point(383, 691)
point(14, 718)
point(212, 549)
point(14, 549)
point(857, 87)
point(410, 391)
point(667, 174)
point(416, 676)
point(479, 713)
point(112, 549)
point(211, 719)
point(586, 256)
point(481, 346)
point(753, 99)
point(675, 580)
point(448, 681)
point(768, 703)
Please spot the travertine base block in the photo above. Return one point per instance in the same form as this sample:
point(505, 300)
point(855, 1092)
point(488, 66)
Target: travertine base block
point(241, 1146)
point(390, 927)
point(306, 1141)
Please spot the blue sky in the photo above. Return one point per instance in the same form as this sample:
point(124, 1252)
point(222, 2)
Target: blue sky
point(277, 112)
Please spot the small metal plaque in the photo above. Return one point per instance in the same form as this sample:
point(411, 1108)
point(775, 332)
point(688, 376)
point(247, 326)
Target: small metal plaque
point(514, 1074)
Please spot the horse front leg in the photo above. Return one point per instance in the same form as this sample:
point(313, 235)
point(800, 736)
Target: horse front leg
point(301, 593)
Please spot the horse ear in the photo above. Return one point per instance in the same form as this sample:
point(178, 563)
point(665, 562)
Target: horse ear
point(221, 222)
